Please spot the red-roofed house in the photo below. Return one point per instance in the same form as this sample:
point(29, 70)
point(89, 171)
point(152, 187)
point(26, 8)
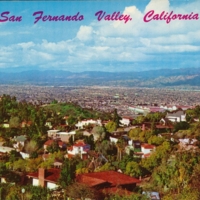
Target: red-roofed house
point(79, 148)
point(45, 177)
point(61, 144)
point(108, 181)
point(126, 121)
point(26, 123)
point(147, 149)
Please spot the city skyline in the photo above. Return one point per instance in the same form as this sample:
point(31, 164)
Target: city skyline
point(95, 44)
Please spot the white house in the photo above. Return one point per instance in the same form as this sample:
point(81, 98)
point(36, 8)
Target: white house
point(79, 148)
point(63, 136)
point(20, 141)
point(114, 139)
point(6, 149)
point(52, 133)
point(147, 149)
point(169, 107)
point(126, 121)
point(81, 124)
point(178, 116)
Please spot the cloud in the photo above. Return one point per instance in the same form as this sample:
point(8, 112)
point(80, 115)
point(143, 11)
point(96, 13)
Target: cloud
point(85, 33)
point(115, 45)
point(26, 45)
point(158, 6)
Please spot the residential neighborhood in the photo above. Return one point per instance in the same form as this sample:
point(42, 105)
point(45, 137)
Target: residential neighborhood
point(61, 147)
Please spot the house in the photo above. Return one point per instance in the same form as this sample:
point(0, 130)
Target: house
point(26, 123)
point(81, 124)
point(178, 116)
point(62, 136)
point(126, 121)
point(79, 148)
point(147, 149)
point(6, 149)
point(135, 143)
point(188, 144)
point(117, 135)
point(169, 107)
point(109, 181)
point(5, 125)
point(20, 141)
point(48, 143)
point(52, 133)
point(48, 124)
point(24, 155)
point(45, 177)
point(152, 195)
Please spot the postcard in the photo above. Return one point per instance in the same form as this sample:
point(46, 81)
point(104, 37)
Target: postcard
point(127, 69)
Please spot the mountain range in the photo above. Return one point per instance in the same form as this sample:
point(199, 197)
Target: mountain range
point(152, 78)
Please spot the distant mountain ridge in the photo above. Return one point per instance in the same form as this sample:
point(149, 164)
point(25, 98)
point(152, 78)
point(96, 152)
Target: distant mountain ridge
point(151, 78)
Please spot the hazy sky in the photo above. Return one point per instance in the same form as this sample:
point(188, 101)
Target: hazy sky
point(99, 45)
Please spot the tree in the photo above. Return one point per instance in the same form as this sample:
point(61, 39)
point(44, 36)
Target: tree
point(14, 155)
point(133, 169)
point(155, 159)
point(155, 117)
point(14, 122)
point(103, 147)
point(80, 191)
point(111, 126)
point(116, 118)
point(106, 167)
point(31, 146)
point(99, 133)
point(135, 133)
point(181, 126)
point(54, 147)
point(67, 174)
point(156, 140)
point(20, 165)
point(195, 178)
point(120, 147)
point(139, 120)
point(71, 120)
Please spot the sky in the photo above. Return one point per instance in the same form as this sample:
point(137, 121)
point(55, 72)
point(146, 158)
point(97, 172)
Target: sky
point(98, 45)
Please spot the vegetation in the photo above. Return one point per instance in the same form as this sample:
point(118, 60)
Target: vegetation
point(172, 171)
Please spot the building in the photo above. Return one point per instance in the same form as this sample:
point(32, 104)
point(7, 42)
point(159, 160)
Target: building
point(126, 121)
point(62, 136)
point(147, 149)
point(83, 123)
point(178, 116)
point(79, 148)
point(109, 181)
point(48, 143)
point(45, 177)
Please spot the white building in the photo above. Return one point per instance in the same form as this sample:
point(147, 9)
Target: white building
point(79, 148)
point(147, 149)
point(125, 121)
point(81, 124)
point(178, 116)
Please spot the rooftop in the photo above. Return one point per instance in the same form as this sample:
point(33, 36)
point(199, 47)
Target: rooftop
point(112, 177)
point(51, 175)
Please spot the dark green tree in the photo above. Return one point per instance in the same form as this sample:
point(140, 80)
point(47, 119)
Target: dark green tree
point(116, 118)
